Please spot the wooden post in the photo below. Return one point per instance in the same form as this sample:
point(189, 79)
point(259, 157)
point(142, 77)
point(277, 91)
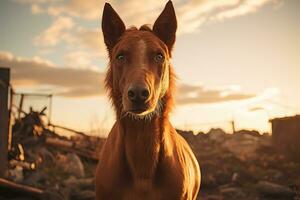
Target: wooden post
point(4, 85)
point(21, 106)
point(50, 109)
point(233, 126)
point(11, 100)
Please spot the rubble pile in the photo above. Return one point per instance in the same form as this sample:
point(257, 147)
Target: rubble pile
point(60, 167)
point(243, 165)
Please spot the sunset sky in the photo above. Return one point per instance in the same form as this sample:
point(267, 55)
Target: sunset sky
point(235, 59)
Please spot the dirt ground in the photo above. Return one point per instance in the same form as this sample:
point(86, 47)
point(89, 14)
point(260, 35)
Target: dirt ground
point(244, 165)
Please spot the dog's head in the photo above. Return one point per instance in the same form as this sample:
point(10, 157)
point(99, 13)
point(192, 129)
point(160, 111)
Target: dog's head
point(139, 72)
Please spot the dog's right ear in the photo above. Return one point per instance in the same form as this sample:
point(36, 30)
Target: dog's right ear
point(112, 27)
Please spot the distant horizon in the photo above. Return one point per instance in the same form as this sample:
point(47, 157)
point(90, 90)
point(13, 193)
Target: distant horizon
point(103, 132)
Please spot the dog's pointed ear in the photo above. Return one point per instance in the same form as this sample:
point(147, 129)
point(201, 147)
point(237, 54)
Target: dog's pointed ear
point(112, 26)
point(165, 26)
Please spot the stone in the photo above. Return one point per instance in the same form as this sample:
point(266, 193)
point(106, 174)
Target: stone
point(235, 177)
point(273, 174)
point(84, 183)
point(35, 178)
point(208, 181)
point(47, 156)
point(71, 164)
point(16, 174)
point(52, 195)
point(86, 195)
point(232, 192)
point(272, 189)
point(217, 135)
point(214, 197)
point(243, 146)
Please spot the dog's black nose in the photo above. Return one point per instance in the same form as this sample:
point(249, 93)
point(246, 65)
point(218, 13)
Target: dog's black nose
point(138, 94)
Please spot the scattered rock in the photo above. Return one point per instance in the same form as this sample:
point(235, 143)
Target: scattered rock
point(16, 174)
point(214, 197)
point(217, 135)
point(232, 192)
point(235, 177)
point(273, 174)
point(71, 164)
point(52, 195)
point(35, 178)
point(86, 195)
point(85, 183)
point(208, 181)
point(249, 132)
point(46, 155)
point(243, 146)
point(274, 190)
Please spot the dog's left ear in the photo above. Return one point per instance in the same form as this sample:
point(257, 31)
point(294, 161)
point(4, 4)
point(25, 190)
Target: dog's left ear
point(165, 26)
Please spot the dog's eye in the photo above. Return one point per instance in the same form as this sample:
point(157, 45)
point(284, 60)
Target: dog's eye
point(120, 57)
point(159, 57)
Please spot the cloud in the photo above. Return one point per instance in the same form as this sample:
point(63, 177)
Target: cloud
point(242, 9)
point(36, 1)
point(91, 39)
point(63, 30)
point(84, 9)
point(193, 94)
point(67, 82)
point(58, 31)
point(36, 9)
point(79, 60)
point(194, 14)
point(191, 14)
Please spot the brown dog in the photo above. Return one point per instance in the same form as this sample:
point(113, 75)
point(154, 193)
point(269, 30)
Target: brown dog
point(143, 157)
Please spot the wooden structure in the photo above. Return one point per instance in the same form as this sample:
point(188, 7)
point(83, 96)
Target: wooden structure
point(11, 190)
point(20, 189)
point(4, 119)
point(286, 135)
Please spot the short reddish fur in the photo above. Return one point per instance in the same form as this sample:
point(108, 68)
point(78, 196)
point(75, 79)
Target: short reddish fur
point(144, 159)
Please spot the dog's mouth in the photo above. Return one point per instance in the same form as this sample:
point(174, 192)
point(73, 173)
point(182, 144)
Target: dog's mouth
point(139, 109)
point(145, 111)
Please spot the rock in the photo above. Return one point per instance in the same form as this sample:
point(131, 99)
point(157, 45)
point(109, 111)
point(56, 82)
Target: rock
point(243, 146)
point(214, 197)
point(208, 181)
point(35, 178)
point(273, 174)
point(47, 156)
point(81, 189)
point(235, 177)
point(16, 174)
point(71, 164)
point(249, 132)
point(217, 135)
point(274, 190)
point(85, 183)
point(86, 195)
point(232, 192)
point(52, 195)
point(79, 194)
point(228, 185)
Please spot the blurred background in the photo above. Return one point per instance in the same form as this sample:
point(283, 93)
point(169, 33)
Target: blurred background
point(237, 98)
point(236, 60)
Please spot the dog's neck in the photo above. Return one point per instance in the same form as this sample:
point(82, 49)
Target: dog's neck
point(145, 141)
point(142, 140)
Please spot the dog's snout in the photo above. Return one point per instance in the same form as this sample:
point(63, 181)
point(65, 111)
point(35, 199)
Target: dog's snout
point(138, 93)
